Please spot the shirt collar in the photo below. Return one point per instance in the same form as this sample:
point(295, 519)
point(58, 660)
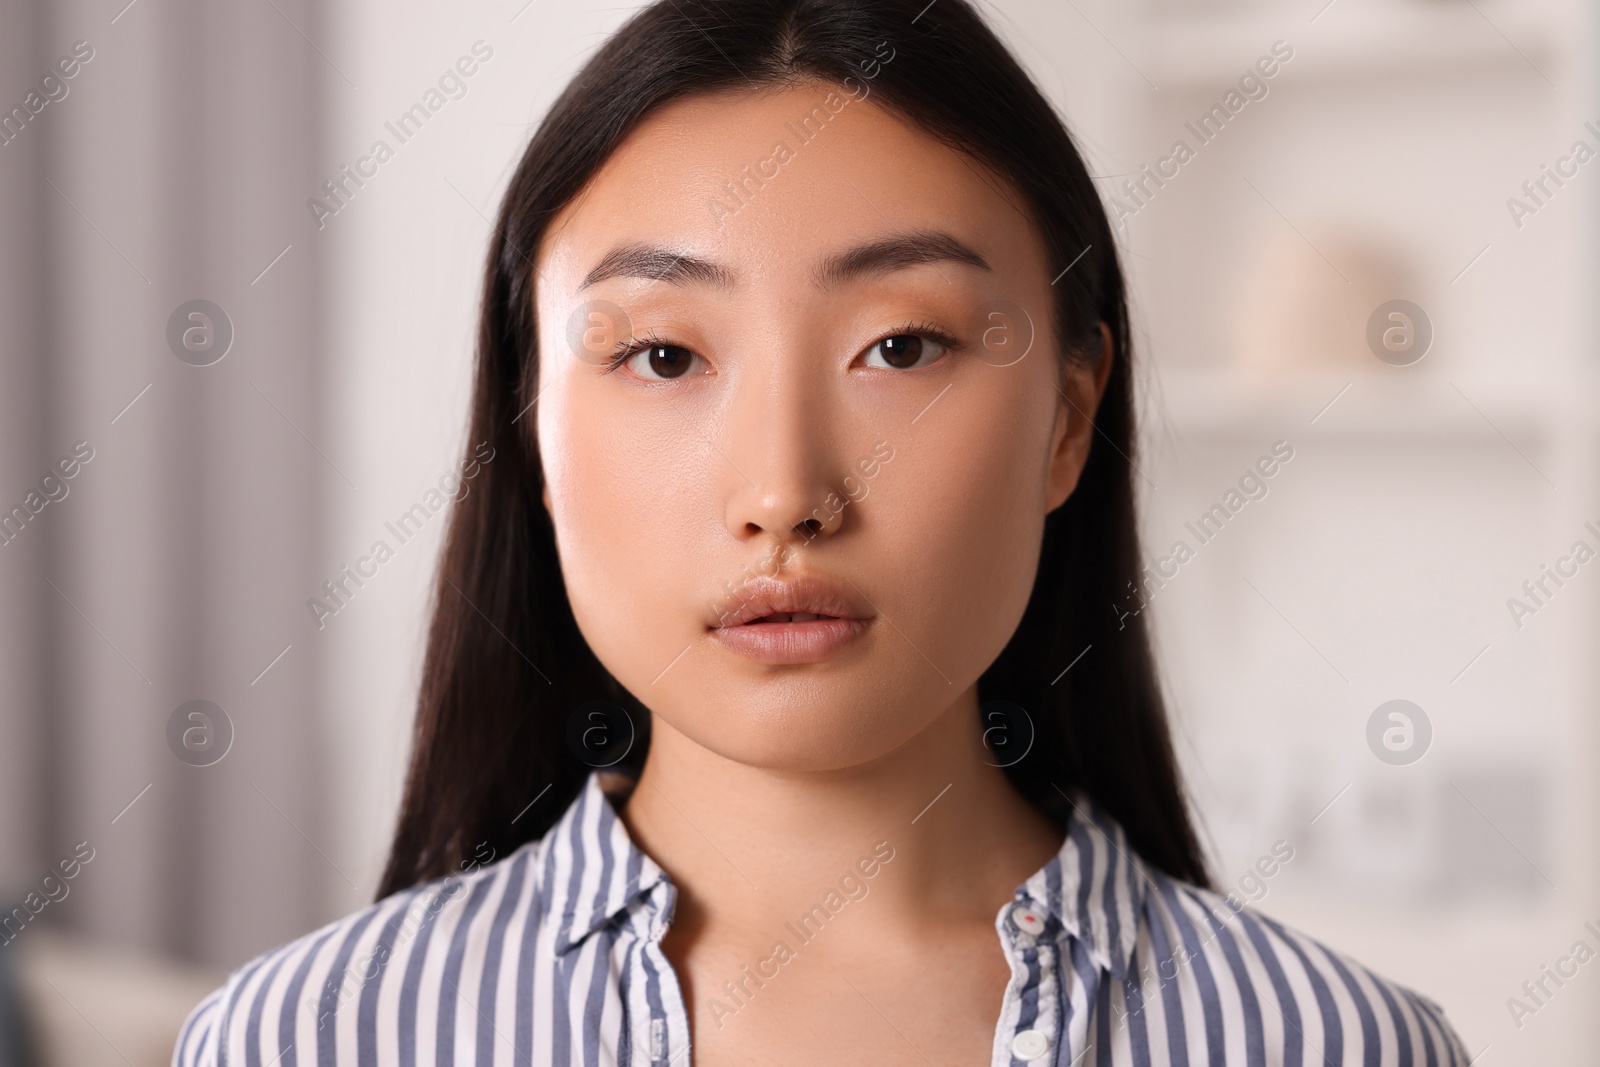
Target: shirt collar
point(593, 868)
point(1094, 887)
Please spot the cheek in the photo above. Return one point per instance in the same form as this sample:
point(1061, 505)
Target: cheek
point(967, 504)
point(627, 492)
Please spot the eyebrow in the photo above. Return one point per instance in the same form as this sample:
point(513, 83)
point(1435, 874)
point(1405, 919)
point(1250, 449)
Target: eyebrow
point(873, 259)
point(895, 253)
point(658, 264)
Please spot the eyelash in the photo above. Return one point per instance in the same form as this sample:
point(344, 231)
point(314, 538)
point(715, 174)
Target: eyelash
point(626, 350)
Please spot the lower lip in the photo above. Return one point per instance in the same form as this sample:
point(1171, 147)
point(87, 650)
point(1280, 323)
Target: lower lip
point(810, 641)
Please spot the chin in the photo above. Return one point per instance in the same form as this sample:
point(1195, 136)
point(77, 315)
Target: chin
point(795, 726)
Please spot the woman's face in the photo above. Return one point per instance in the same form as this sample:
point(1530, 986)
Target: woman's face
point(839, 367)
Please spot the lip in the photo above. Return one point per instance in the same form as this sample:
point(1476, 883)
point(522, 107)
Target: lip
point(802, 641)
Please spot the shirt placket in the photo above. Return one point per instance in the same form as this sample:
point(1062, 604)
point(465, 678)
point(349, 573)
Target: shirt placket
point(1047, 1009)
point(1030, 1017)
point(658, 1019)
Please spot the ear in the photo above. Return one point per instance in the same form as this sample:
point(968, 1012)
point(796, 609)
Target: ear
point(544, 494)
point(1084, 382)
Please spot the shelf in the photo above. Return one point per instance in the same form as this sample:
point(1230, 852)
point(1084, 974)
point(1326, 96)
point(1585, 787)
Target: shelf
point(1353, 38)
point(1366, 406)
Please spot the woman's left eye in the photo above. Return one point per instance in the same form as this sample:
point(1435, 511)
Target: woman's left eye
point(906, 351)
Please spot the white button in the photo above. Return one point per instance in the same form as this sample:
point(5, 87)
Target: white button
point(1030, 1045)
point(1028, 921)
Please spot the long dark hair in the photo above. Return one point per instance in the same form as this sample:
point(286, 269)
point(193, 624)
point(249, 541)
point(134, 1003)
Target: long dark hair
point(506, 665)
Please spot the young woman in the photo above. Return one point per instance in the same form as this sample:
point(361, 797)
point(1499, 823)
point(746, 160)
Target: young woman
point(776, 707)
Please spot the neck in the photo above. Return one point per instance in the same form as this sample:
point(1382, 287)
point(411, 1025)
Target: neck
point(754, 847)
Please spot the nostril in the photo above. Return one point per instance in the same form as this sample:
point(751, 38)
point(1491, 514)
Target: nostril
point(811, 527)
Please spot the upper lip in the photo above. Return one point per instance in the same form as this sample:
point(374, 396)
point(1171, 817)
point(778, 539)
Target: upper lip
point(818, 594)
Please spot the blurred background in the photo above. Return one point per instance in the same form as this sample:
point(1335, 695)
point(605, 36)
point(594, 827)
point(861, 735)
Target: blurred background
point(215, 394)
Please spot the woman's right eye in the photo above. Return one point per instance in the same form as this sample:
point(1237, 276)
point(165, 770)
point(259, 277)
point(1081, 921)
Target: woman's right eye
point(660, 362)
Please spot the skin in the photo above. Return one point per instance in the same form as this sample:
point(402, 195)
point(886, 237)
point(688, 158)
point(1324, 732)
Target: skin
point(765, 783)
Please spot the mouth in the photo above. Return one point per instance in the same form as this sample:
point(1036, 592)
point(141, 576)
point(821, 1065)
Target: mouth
point(788, 616)
point(805, 619)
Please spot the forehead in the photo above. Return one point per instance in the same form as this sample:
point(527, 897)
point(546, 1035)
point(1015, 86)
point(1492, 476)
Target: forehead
point(770, 182)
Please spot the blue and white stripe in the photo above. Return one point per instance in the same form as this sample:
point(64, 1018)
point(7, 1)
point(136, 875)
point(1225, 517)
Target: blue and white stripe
point(551, 956)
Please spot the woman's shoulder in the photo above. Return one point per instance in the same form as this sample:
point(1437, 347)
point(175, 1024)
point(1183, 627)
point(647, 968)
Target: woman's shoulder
point(288, 995)
point(1212, 976)
point(1264, 983)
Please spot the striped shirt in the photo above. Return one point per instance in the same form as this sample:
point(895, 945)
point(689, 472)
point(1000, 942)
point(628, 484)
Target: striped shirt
point(552, 955)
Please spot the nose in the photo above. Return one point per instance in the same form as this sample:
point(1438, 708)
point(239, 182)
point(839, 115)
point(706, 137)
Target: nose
point(778, 441)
